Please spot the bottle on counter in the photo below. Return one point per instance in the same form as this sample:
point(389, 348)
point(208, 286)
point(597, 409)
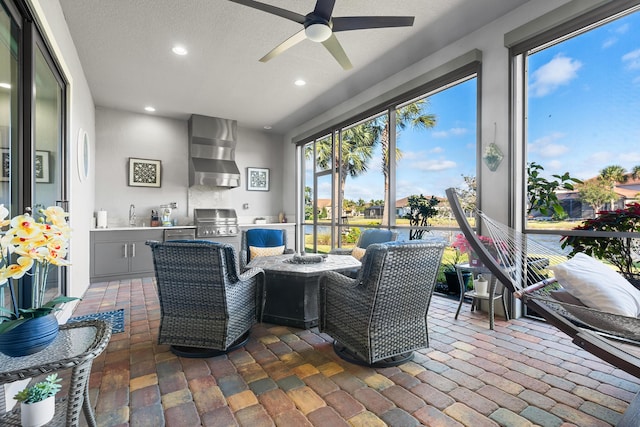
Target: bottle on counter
point(155, 220)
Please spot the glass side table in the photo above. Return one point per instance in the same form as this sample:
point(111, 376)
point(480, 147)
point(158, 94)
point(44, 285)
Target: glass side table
point(491, 295)
point(74, 348)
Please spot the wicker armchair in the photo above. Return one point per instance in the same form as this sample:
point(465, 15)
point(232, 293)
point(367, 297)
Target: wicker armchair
point(263, 238)
point(368, 237)
point(380, 317)
point(207, 308)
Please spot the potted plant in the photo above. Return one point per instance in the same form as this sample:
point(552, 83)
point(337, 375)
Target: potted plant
point(37, 402)
point(31, 247)
point(450, 274)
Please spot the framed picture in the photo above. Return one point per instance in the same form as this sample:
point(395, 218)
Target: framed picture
point(144, 172)
point(41, 166)
point(257, 179)
point(6, 164)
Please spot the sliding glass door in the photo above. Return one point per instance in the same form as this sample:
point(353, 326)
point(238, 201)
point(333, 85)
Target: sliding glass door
point(32, 131)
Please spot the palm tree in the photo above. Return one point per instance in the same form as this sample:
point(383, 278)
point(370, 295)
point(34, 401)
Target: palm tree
point(635, 172)
point(612, 175)
point(411, 115)
point(359, 141)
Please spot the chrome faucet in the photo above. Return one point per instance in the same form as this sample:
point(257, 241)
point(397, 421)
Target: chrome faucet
point(132, 215)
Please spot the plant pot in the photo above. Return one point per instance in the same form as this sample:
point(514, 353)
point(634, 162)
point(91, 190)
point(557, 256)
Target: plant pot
point(452, 281)
point(30, 337)
point(39, 413)
point(481, 287)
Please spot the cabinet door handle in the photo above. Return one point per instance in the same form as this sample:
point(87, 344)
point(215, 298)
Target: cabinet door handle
point(133, 250)
point(126, 251)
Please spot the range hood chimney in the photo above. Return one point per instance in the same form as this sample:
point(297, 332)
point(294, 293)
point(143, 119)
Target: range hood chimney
point(212, 152)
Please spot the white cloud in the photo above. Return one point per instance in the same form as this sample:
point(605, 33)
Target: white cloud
point(553, 165)
point(601, 157)
point(450, 132)
point(434, 165)
point(622, 29)
point(555, 73)
point(633, 157)
point(436, 150)
point(609, 42)
point(547, 146)
point(632, 59)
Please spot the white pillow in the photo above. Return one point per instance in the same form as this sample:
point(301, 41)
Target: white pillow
point(358, 253)
point(258, 251)
point(598, 286)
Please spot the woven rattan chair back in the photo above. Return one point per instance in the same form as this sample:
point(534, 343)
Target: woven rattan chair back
point(383, 312)
point(204, 302)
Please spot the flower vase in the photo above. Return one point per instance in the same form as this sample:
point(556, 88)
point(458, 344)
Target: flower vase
point(39, 413)
point(30, 337)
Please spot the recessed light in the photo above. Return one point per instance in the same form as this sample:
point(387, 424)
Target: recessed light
point(149, 108)
point(299, 82)
point(5, 85)
point(267, 127)
point(179, 50)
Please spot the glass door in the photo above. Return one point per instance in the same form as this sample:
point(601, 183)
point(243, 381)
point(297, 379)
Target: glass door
point(47, 138)
point(9, 48)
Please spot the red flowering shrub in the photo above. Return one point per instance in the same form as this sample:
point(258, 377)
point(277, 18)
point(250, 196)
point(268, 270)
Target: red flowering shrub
point(619, 251)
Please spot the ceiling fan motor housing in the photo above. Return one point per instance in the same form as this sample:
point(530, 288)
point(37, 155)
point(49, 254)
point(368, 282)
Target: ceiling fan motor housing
point(316, 28)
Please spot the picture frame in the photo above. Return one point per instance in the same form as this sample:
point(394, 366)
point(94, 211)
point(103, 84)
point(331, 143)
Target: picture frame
point(144, 172)
point(257, 179)
point(41, 166)
point(6, 164)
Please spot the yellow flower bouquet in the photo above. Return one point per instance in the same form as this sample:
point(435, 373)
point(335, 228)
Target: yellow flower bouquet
point(31, 247)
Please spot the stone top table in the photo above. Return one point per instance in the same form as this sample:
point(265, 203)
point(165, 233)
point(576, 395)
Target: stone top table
point(292, 289)
point(75, 347)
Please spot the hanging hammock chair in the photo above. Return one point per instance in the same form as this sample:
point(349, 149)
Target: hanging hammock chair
point(526, 267)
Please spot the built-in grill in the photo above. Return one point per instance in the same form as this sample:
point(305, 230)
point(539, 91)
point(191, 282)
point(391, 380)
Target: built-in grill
point(215, 222)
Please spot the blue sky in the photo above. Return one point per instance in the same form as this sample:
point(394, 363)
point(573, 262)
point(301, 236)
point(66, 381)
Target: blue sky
point(583, 115)
point(584, 105)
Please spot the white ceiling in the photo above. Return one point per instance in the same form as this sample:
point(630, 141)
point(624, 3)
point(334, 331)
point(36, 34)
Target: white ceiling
point(125, 50)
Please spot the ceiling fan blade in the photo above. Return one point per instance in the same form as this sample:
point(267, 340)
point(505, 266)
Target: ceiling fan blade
point(333, 46)
point(324, 8)
point(290, 42)
point(348, 23)
point(284, 13)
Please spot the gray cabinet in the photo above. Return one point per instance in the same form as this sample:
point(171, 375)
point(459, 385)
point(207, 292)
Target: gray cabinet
point(122, 254)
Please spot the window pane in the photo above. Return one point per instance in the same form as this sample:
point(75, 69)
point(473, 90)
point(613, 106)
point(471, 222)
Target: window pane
point(47, 137)
point(9, 44)
point(364, 172)
point(436, 148)
point(582, 118)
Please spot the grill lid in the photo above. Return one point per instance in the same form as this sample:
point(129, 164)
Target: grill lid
point(215, 216)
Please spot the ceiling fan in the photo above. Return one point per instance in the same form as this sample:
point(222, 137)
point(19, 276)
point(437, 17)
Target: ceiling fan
point(320, 26)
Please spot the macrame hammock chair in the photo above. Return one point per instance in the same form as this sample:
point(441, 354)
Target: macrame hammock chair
point(521, 265)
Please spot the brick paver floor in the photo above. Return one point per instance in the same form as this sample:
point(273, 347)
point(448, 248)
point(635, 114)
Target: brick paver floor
point(523, 373)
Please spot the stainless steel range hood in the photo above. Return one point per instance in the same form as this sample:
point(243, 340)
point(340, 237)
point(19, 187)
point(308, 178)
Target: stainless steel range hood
point(212, 151)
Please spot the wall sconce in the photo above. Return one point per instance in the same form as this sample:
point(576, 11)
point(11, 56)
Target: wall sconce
point(492, 154)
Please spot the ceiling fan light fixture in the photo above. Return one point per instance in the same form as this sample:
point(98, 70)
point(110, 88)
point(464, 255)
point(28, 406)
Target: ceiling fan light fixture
point(317, 32)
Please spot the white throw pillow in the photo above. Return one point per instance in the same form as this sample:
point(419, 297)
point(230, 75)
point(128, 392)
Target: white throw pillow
point(598, 286)
point(257, 251)
point(358, 253)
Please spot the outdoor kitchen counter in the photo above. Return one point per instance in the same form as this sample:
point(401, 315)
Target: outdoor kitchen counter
point(141, 228)
point(269, 224)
